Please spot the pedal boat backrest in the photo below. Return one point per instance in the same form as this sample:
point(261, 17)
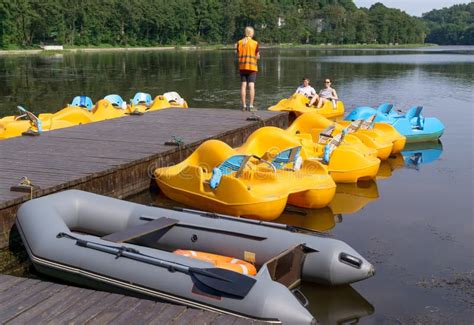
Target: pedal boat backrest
point(235, 164)
point(35, 122)
point(326, 135)
point(142, 98)
point(332, 145)
point(368, 123)
point(416, 119)
point(116, 101)
point(82, 101)
point(289, 156)
point(232, 165)
point(173, 97)
point(385, 108)
point(353, 127)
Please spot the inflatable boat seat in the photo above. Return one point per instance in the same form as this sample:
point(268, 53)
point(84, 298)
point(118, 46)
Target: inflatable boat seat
point(286, 267)
point(140, 230)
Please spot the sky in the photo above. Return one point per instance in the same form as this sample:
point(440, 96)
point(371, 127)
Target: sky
point(412, 7)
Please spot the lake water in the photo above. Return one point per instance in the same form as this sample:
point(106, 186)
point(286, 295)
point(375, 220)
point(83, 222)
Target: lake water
point(415, 223)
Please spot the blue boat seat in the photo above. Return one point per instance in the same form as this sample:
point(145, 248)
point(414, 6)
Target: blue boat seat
point(385, 108)
point(414, 116)
point(141, 98)
point(115, 100)
point(82, 101)
point(229, 166)
point(288, 156)
point(333, 144)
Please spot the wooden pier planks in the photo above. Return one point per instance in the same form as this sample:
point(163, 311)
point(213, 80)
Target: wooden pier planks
point(28, 301)
point(114, 157)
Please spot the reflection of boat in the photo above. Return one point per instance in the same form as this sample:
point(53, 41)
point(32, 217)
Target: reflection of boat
point(314, 219)
point(412, 156)
point(296, 104)
point(336, 305)
point(422, 153)
point(350, 198)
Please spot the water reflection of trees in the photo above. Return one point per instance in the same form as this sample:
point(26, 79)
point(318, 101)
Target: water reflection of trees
point(205, 78)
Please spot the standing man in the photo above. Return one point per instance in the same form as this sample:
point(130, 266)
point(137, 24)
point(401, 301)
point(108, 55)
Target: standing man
point(248, 54)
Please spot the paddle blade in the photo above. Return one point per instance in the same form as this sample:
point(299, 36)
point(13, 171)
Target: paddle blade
point(223, 281)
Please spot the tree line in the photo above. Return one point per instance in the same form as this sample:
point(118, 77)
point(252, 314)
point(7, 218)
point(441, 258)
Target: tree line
point(451, 26)
point(27, 23)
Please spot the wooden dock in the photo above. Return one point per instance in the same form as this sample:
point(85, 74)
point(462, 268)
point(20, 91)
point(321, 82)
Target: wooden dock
point(114, 157)
point(28, 301)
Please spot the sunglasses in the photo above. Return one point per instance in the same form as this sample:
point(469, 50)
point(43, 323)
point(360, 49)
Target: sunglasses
point(327, 82)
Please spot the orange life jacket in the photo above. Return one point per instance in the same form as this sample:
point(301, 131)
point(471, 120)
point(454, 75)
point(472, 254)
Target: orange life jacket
point(247, 52)
point(219, 261)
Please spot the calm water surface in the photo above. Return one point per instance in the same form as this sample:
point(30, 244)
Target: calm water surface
point(415, 223)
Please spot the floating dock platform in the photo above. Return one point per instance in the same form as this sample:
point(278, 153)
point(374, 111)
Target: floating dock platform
point(114, 157)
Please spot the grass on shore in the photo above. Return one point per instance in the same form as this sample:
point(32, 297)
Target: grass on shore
point(105, 47)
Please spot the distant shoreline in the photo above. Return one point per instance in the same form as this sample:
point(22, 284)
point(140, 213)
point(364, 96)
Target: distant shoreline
point(208, 47)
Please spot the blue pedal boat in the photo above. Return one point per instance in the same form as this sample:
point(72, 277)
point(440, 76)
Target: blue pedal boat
point(411, 124)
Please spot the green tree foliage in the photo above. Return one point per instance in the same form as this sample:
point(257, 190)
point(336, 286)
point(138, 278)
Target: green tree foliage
point(451, 26)
point(26, 23)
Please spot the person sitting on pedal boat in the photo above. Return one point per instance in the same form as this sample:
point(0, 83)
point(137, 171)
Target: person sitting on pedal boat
point(308, 91)
point(327, 93)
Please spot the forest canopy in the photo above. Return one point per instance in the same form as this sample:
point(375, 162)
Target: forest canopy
point(451, 26)
point(28, 23)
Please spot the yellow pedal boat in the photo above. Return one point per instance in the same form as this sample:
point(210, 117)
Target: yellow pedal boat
point(142, 102)
point(72, 115)
point(319, 127)
point(346, 163)
point(382, 130)
point(216, 178)
point(296, 104)
point(82, 111)
point(27, 122)
point(291, 164)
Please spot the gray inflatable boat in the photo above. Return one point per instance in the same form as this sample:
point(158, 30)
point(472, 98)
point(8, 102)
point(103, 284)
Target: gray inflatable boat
point(96, 240)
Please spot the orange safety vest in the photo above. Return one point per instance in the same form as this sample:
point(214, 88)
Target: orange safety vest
point(247, 53)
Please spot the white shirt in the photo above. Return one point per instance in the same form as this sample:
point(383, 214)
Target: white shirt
point(308, 91)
